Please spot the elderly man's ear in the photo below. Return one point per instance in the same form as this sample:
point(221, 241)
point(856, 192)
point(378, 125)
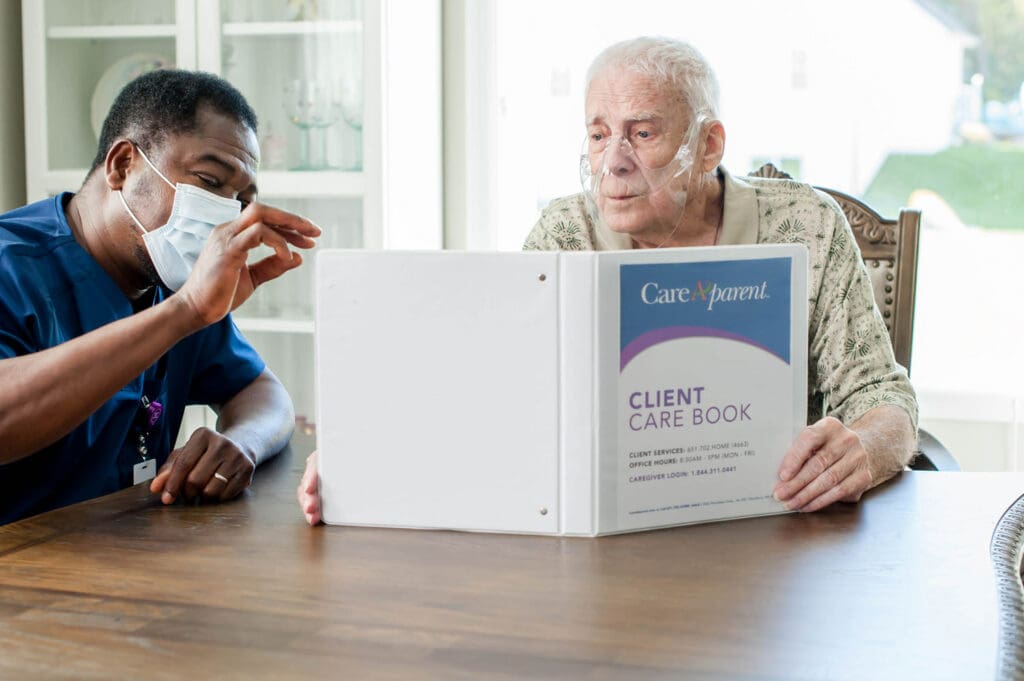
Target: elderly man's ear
point(714, 146)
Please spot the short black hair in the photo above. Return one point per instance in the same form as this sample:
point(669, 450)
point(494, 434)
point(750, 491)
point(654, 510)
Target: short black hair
point(165, 102)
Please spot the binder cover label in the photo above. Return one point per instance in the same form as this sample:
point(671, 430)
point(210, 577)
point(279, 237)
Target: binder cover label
point(705, 398)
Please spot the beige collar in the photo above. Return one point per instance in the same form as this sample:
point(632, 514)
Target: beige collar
point(739, 218)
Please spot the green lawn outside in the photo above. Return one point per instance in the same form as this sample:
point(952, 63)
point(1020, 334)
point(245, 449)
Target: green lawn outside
point(984, 184)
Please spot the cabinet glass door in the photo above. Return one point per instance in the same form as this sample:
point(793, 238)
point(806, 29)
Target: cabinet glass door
point(314, 71)
point(92, 49)
point(300, 65)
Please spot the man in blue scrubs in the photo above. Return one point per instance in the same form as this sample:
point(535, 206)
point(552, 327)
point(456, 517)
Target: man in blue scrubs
point(115, 302)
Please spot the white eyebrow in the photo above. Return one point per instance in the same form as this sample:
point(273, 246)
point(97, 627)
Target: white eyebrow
point(643, 116)
point(638, 117)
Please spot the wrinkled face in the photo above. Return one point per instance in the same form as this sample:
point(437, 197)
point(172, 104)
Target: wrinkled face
point(636, 153)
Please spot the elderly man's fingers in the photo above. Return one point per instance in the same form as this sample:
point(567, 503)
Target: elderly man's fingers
point(831, 477)
point(849, 490)
point(804, 446)
point(832, 440)
point(310, 483)
point(815, 467)
point(308, 491)
point(309, 502)
point(311, 509)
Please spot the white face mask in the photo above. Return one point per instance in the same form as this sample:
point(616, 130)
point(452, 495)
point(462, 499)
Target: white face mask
point(175, 247)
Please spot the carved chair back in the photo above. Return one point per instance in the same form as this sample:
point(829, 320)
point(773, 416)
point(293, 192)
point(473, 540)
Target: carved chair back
point(889, 250)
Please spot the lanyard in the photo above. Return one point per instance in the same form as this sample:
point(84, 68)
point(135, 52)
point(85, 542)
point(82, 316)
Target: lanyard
point(152, 411)
point(149, 414)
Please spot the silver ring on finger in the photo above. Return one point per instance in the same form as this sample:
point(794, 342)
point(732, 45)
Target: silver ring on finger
point(221, 478)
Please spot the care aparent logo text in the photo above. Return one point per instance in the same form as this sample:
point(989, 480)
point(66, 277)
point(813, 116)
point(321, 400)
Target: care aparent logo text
point(652, 293)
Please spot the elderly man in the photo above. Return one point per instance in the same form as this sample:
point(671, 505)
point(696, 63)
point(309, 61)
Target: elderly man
point(115, 302)
point(652, 174)
point(652, 177)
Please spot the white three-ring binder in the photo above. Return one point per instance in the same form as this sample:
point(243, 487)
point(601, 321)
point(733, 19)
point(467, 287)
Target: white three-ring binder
point(557, 393)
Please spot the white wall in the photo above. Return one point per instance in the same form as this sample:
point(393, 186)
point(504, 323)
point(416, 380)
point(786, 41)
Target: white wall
point(12, 115)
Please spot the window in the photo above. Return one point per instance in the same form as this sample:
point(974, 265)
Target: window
point(838, 93)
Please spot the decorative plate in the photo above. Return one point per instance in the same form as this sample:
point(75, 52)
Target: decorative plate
point(113, 80)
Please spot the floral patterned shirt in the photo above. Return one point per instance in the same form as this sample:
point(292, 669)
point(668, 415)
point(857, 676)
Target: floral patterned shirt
point(851, 368)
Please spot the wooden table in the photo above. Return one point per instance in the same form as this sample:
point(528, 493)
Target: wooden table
point(900, 586)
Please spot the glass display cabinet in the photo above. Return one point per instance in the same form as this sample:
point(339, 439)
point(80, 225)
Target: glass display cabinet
point(348, 96)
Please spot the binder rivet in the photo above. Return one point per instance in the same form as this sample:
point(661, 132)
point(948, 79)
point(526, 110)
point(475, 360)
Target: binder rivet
point(543, 277)
point(543, 511)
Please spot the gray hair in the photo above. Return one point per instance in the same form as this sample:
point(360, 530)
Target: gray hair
point(673, 62)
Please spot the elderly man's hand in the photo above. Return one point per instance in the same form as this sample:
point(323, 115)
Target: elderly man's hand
point(826, 463)
point(210, 465)
point(309, 492)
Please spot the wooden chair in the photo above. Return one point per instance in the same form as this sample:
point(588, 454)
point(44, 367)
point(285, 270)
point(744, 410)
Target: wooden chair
point(889, 249)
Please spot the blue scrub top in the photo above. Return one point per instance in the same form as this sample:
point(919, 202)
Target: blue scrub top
point(51, 291)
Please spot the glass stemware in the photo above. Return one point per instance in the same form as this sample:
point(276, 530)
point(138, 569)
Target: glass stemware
point(312, 106)
point(352, 112)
